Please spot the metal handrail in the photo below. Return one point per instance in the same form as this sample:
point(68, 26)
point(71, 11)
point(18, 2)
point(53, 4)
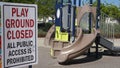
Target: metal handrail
point(107, 27)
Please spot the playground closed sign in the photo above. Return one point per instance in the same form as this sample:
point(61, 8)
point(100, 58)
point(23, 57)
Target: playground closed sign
point(19, 34)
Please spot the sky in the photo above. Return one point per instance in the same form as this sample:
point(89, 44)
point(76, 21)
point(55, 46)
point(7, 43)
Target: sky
point(114, 2)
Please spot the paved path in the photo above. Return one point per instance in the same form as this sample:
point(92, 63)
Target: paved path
point(45, 61)
point(104, 61)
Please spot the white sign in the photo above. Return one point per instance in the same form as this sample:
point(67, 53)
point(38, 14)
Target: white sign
point(19, 34)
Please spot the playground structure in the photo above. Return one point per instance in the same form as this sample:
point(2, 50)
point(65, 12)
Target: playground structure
point(69, 38)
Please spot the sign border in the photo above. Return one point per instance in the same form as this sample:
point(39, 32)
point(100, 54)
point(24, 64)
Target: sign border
point(4, 34)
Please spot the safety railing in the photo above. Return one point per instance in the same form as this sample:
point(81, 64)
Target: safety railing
point(107, 27)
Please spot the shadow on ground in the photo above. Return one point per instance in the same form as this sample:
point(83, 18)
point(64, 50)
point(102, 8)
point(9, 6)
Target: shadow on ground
point(92, 57)
point(110, 53)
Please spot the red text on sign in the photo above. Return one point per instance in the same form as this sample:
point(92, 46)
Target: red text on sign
point(23, 12)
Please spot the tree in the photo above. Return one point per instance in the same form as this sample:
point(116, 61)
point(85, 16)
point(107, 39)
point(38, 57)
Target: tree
point(21, 1)
point(46, 8)
point(110, 9)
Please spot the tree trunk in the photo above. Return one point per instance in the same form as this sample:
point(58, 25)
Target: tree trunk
point(53, 19)
point(44, 19)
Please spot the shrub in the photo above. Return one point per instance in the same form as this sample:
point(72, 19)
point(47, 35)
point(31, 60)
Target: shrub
point(108, 31)
point(117, 30)
point(43, 29)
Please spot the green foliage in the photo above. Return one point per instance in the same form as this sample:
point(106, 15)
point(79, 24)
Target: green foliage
point(41, 33)
point(117, 29)
point(110, 9)
point(43, 29)
point(46, 8)
point(107, 30)
point(46, 26)
point(21, 1)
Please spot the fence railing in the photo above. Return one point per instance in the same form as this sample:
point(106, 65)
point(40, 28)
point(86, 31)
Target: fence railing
point(107, 27)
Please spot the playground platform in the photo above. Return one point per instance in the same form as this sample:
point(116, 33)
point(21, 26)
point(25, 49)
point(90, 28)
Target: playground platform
point(103, 61)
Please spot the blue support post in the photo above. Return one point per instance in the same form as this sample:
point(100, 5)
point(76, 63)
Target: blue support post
point(90, 18)
point(74, 17)
point(61, 15)
point(69, 15)
point(97, 26)
point(58, 21)
point(91, 2)
point(90, 24)
point(30, 66)
point(98, 14)
point(79, 2)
